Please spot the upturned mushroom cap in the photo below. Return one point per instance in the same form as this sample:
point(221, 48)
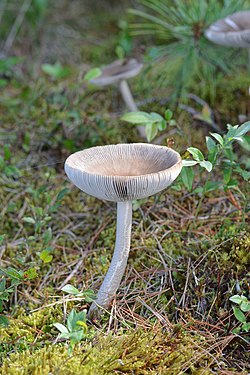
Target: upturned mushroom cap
point(123, 172)
point(233, 30)
point(119, 70)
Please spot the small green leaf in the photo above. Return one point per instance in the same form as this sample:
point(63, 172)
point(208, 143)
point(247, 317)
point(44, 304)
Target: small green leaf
point(45, 256)
point(245, 306)
point(243, 129)
point(210, 143)
point(207, 165)
point(136, 117)
point(89, 295)
point(246, 327)
point(237, 299)
point(69, 144)
point(7, 153)
point(232, 183)
point(47, 236)
point(239, 139)
point(76, 336)
point(212, 155)
point(162, 125)
point(11, 170)
point(187, 176)
point(236, 330)
point(73, 318)
point(137, 203)
point(64, 335)
point(196, 153)
point(151, 131)
point(155, 117)
point(227, 173)
point(2, 285)
point(211, 186)
point(91, 74)
point(218, 138)
point(4, 321)
point(2, 237)
point(239, 314)
point(13, 273)
point(70, 289)
point(61, 194)
point(29, 220)
point(61, 328)
point(31, 273)
point(189, 163)
point(56, 71)
point(168, 115)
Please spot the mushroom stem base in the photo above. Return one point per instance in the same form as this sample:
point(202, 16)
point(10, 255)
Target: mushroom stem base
point(119, 260)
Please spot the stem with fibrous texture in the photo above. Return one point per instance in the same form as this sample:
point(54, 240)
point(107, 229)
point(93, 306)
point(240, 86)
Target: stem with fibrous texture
point(118, 263)
point(130, 103)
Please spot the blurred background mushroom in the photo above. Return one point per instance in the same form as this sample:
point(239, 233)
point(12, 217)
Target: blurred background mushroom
point(121, 173)
point(118, 73)
point(233, 30)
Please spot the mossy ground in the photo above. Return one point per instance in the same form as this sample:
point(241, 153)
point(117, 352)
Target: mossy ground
point(172, 314)
point(131, 352)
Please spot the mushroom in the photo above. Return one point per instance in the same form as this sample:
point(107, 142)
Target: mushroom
point(119, 72)
point(121, 173)
point(233, 30)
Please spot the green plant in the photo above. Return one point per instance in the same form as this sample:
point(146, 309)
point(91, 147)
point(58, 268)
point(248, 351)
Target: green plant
point(92, 73)
point(178, 28)
point(56, 71)
point(220, 153)
point(10, 279)
point(6, 69)
point(75, 328)
point(87, 294)
point(219, 150)
point(41, 217)
point(243, 307)
point(124, 42)
point(153, 122)
point(6, 167)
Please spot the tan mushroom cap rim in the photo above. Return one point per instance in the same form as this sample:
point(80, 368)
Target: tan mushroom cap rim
point(124, 171)
point(119, 70)
point(233, 30)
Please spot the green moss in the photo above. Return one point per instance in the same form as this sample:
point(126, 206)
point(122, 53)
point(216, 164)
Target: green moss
point(232, 96)
point(26, 330)
point(132, 353)
point(234, 255)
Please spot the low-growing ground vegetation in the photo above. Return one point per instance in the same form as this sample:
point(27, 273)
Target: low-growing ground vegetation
point(190, 252)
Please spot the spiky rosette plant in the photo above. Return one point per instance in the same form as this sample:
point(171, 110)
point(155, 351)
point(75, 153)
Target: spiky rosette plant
point(177, 28)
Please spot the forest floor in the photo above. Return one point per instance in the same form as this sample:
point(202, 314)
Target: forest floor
point(190, 249)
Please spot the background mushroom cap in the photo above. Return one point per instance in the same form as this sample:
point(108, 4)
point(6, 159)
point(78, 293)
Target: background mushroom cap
point(233, 30)
point(119, 70)
point(123, 172)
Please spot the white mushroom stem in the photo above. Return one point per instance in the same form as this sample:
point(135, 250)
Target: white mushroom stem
point(127, 96)
point(130, 103)
point(118, 263)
